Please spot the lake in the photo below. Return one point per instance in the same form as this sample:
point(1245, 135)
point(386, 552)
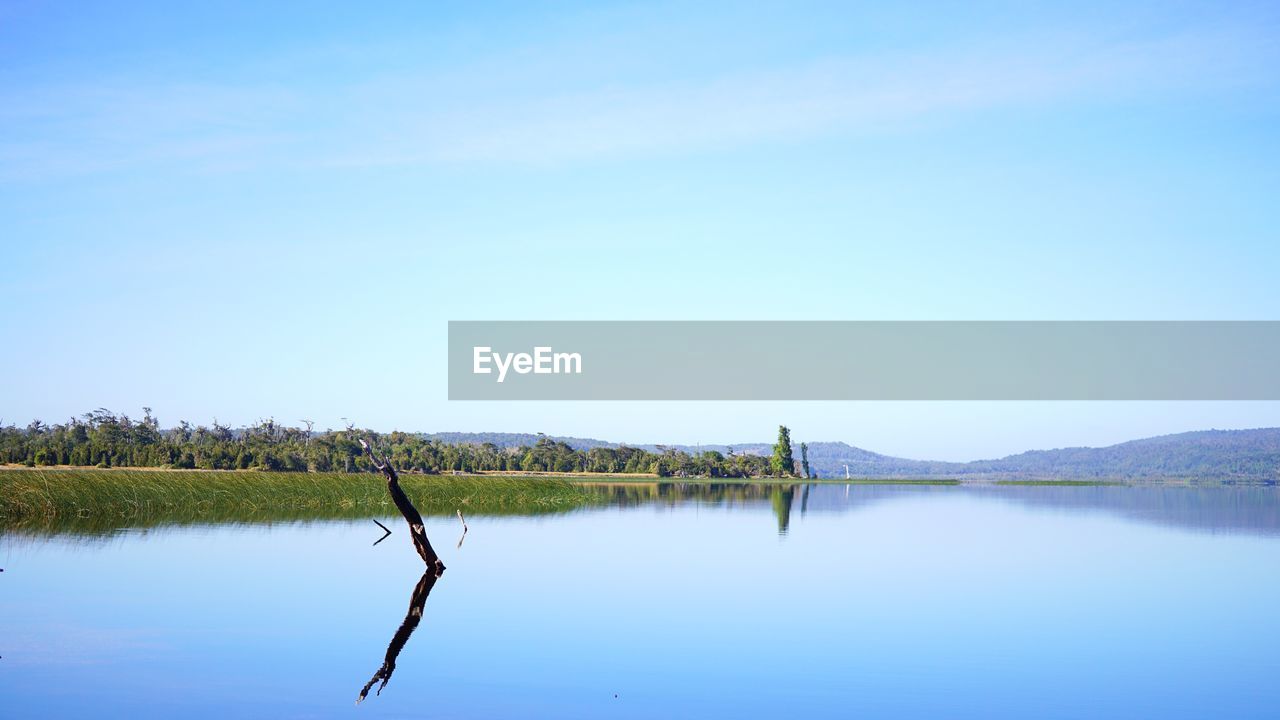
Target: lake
point(670, 601)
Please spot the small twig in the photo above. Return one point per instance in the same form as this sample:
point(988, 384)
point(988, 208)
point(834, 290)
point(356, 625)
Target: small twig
point(464, 530)
point(385, 529)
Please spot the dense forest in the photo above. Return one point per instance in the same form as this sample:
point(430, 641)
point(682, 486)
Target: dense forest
point(102, 438)
point(105, 439)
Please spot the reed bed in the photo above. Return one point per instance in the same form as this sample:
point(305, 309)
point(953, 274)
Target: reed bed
point(120, 497)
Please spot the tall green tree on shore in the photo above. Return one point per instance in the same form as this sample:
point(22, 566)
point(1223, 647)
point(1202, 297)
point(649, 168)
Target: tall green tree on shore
point(783, 464)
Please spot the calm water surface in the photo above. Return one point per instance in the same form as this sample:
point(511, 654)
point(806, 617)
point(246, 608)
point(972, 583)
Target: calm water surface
point(820, 602)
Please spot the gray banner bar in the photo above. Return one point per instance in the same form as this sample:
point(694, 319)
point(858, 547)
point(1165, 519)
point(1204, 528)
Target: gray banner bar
point(820, 360)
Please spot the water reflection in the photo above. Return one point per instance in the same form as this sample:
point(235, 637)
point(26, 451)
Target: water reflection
point(781, 498)
point(1212, 508)
point(992, 601)
point(417, 601)
point(1207, 507)
point(1202, 507)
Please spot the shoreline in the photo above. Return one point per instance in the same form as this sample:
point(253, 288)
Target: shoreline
point(600, 478)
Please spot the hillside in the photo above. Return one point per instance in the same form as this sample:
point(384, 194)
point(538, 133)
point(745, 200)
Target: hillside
point(1205, 453)
point(510, 440)
point(1246, 454)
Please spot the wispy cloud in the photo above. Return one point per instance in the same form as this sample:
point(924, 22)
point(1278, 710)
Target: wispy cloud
point(113, 125)
point(841, 94)
point(416, 120)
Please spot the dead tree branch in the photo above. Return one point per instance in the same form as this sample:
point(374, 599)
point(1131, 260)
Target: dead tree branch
point(406, 508)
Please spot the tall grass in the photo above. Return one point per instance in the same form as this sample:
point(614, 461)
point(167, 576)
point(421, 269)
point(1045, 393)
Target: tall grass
point(102, 500)
point(1060, 483)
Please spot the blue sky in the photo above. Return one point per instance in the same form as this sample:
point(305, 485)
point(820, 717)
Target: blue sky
point(232, 212)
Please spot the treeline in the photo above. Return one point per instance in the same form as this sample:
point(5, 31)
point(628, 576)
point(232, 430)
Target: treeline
point(105, 439)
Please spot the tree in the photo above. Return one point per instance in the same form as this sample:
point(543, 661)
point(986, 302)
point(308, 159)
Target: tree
point(783, 465)
point(804, 459)
point(110, 440)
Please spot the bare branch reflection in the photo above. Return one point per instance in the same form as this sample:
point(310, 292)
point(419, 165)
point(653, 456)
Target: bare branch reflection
point(417, 601)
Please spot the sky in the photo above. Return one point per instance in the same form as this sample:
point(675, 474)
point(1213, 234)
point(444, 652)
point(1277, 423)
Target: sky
point(273, 209)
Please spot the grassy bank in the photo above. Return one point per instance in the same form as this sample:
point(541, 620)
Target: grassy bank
point(118, 498)
point(90, 501)
point(1061, 483)
point(650, 479)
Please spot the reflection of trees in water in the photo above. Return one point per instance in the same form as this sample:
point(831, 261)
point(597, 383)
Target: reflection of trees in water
point(91, 525)
point(1213, 507)
point(631, 494)
point(1251, 509)
point(780, 497)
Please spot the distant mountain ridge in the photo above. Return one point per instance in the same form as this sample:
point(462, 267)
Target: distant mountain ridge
point(1245, 454)
point(511, 440)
